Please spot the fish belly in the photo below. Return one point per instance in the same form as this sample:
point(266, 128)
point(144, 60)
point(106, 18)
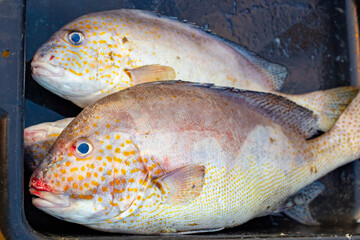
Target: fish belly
point(251, 184)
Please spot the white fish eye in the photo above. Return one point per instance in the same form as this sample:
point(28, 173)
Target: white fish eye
point(82, 148)
point(76, 38)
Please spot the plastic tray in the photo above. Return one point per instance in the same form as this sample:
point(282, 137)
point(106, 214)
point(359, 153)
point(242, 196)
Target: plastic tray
point(316, 40)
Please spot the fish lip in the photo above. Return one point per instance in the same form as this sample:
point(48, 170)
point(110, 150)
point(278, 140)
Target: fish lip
point(45, 199)
point(45, 69)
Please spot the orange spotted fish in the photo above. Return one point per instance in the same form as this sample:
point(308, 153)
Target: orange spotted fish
point(175, 157)
point(104, 52)
point(39, 138)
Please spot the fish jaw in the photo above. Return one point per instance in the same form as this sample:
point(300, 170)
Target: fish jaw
point(65, 207)
point(61, 82)
point(47, 199)
point(81, 209)
point(45, 69)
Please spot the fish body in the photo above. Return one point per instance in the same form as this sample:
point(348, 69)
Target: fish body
point(182, 158)
point(113, 50)
point(38, 140)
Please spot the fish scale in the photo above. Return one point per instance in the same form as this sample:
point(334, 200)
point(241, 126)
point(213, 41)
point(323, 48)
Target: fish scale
point(223, 159)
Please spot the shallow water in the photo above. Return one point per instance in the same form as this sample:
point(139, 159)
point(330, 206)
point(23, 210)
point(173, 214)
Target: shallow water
point(308, 37)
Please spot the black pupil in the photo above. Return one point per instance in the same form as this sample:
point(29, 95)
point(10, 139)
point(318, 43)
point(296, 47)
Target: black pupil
point(75, 37)
point(83, 148)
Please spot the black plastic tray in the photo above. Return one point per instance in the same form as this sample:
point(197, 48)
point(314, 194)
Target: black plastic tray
point(316, 40)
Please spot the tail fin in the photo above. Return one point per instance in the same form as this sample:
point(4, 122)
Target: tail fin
point(336, 147)
point(327, 105)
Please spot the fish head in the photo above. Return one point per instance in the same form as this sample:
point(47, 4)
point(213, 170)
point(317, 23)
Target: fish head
point(83, 61)
point(93, 171)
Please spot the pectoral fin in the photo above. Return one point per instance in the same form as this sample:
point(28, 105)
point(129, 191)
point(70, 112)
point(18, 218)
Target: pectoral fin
point(151, 73)
point(182, 185)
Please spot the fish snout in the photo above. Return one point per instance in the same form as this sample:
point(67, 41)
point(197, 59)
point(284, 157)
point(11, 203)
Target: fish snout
point(44, 50)
point(39, 184)
point(41, 56)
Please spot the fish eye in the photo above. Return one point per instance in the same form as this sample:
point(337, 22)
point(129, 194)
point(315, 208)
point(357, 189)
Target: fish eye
point(76, 38)
point(82, 148)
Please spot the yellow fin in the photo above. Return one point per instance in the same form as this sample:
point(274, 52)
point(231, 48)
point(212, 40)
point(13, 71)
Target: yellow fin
point(151, 73)
point(327, 105)
point(183, 184)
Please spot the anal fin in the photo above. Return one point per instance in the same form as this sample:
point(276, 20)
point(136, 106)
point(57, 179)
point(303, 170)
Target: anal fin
point(297, 206)
point(194, 231)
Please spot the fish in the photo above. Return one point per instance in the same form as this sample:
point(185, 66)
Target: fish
point(104, 52)
point(39, 138)
point(176, 157)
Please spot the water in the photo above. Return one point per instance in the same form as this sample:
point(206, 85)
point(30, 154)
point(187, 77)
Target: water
point(308, 37)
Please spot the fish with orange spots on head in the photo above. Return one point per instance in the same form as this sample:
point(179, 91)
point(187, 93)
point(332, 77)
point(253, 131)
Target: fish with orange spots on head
point(176, 157)
point(104, 52)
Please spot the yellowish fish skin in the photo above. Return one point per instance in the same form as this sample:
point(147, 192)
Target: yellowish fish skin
point(117, 41)
point(145, 133)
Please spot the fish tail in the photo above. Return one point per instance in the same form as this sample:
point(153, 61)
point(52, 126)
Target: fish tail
point(338, 146)
point(327, 105)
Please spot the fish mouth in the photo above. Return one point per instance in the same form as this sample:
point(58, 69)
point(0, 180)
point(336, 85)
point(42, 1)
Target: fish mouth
point(45, 69)
point(45, 199)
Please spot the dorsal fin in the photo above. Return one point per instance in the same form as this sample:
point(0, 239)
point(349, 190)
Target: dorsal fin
point(275, 73)
point(282, 111)
point(279, 109)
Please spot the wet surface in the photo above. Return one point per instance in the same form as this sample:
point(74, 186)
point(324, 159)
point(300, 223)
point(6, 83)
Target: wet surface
point(308, 37)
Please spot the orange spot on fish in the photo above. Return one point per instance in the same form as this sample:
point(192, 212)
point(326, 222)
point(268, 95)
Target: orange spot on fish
point(87, 197)
point(128, 153)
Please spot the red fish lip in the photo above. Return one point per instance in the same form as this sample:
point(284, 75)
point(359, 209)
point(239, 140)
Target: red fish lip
point(45, 69)
point(39, 184)
point(45, 199)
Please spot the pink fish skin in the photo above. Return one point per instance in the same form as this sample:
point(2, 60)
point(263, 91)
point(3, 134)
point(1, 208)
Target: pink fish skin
point(177, 157)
